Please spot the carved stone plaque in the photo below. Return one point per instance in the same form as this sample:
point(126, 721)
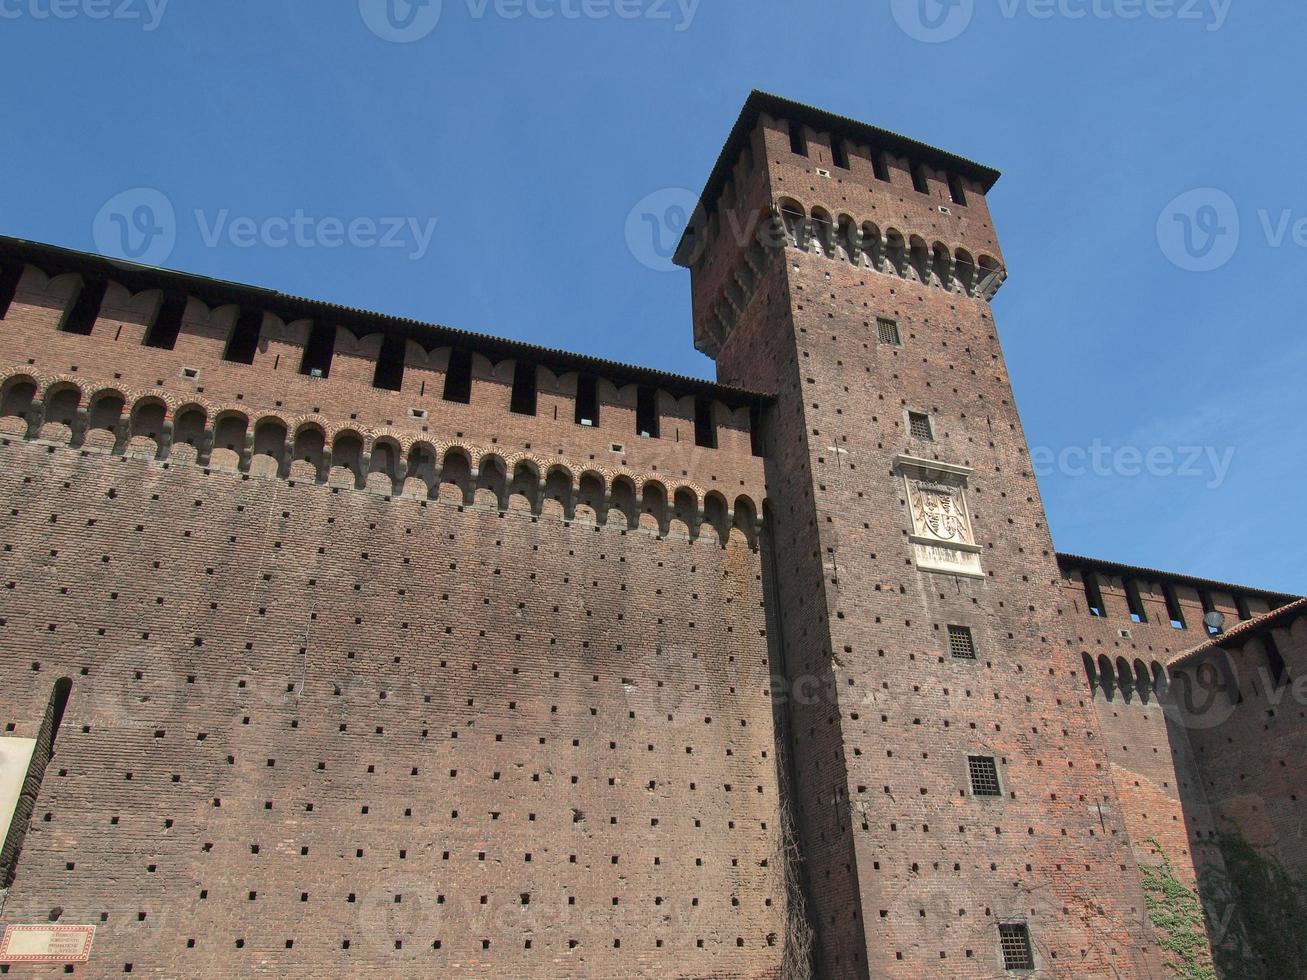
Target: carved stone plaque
point(942, 539)
point(47, 944)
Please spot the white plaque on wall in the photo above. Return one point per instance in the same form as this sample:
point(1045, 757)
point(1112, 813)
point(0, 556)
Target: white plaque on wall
point(47, 944)
point(942, 539)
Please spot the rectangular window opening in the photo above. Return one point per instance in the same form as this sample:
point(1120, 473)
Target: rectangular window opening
point(1173, 607)
point(1014, 938)
point(646, 413)
point(957, 191)
point(705, 432)
point(878, 166)
point(798, 144)
point(839, 153)
point(523, 399)
point(919, 426)
point(919, 182)
point(1209, 607)
point(81, 316)
point(587, 400)
point(9, 278)
point(756, 444)
point(167, 323)
point(42, 753)
point(316, 362)
point(1093, 593)
point(961, 643)
point(390, 364)
point(1274, 659)
point(244, 339)
point(458, 377)
point(1241, 604)
point(1135, 601)
point(984, 775)
point(887, 331)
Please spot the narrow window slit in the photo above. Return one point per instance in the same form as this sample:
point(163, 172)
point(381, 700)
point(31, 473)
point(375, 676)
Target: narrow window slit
point(523, 401)
point(81, 316)
point(9, 278)
point(705, 432)
point(646, 413)
point(167, 323)
point(587, 400)
point(458, 377)
point(390, 364)
point(798, 145)
point(244, 340)
point(319, 349)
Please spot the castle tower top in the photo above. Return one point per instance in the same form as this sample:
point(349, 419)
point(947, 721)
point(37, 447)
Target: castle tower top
point(792, 175)
point(841, 132)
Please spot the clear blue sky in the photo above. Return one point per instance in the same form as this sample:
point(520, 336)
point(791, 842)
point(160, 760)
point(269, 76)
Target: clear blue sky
point(529, 140)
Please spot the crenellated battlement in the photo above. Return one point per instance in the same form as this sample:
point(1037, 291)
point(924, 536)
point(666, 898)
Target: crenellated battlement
point(1145, 605)
point(62, 411)
point(888, 252)
point(109, 359)
point(793, 176)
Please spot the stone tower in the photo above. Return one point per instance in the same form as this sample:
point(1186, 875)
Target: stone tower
point(954, 802)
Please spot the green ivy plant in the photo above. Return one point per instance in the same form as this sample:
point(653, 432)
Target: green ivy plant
point(1177, 913)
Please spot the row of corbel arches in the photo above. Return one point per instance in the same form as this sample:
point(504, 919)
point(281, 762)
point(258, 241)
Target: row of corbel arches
point(889, 250)
point(158, 426)
point(1128, 680)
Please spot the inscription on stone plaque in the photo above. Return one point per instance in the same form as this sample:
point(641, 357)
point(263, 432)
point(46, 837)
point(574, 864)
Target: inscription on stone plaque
point(942, 540)
point(47, 944)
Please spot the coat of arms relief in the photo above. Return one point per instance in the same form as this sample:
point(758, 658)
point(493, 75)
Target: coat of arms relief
point(942, 538)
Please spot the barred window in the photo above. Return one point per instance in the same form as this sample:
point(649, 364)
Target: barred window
point(888, 331)
point(919, 426)
point(961, 643)
point(1015, 940)
point(984, 775)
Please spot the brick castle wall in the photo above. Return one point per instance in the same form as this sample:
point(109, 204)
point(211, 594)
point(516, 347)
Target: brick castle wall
point(329, 718)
